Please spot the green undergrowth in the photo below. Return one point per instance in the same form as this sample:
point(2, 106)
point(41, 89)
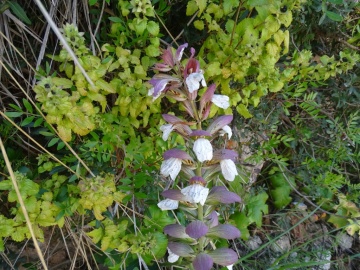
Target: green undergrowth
point(299, 104)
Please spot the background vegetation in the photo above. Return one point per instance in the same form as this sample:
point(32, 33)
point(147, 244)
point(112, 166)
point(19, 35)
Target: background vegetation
point(84, 151)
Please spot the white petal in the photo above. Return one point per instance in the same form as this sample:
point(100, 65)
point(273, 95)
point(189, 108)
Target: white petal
point(203, 149)
point(226, 130)
point(196, 192)
point(230, 267)
point(172, 256)
point(228, 169)
point(168, 204)
point(193, 81)
point(151, 91)
point(167, 128)
point(171, 166)
point(221, 101)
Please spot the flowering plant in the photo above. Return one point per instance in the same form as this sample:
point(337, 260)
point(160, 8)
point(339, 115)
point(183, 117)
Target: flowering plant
point(195, 192)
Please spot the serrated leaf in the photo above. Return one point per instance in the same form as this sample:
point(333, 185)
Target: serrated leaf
point(281, 196)
point(201, 4)
point(14, 114)
point(158, 217)
point(92, 2)
point(334, 16)
point(191, 8)
point(243, 111)
point(199, 25)
point(19, 12)
point(27, 105)
point(160, 244)
point(96, 235)
point(257, 207)
point(5, 185)
point(62, 82)
point(107, 87)
point(242, 222)
point(153, 28)
point(229, 5)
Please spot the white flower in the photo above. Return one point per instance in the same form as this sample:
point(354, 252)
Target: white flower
point(172, 256)
point(221, 101)
point(171, 166)
point(166, 129)
point(228, 169)
point(230, 267)
point(197, 193)
point(226, 130)
point(203, 149)
point(168, 204)
point(193, 81)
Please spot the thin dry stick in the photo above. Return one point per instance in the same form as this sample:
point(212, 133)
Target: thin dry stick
point(23, 208)
point(63, 41)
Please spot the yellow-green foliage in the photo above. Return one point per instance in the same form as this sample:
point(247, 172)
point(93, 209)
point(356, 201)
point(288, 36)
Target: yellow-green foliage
point(245, 43)
point(41, 210)
point(98, 193)
point(76, 106)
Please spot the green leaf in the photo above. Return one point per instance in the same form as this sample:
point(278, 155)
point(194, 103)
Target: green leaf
point(281, 196)
point(158, 217)
point(115, 19)
point(14, 114)
point(96, 234)
point(38, 122)
point(19, 12)
point(92, 2)
point(53, 141)
point(334, 16)
point(199, 25)
point(159, 249)
point(63, 82)
point(5, 185)
point(201, 4)
point(27, 121)
point(257, 207)
point(242, 222)
point(191, 8)
point(27, 105)
point(153, 28)
point(243, 111)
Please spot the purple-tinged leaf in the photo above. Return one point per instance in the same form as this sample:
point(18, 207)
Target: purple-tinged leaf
point(199, 133)
point(225, 154)
point(180, 249)
point(224, 256)
point(197, 180)
point(175, 194)
point(207, 96)
point(225, 231)
point(203, 262)
point(176, 230)
point(219, 123)
point(168, 57)
point(196, 229)
point(221, 194)
point(177, 153)
point(213, 219)
point(180, 51)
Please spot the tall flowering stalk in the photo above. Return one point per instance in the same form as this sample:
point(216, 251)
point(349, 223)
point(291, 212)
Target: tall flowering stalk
point(200, 164)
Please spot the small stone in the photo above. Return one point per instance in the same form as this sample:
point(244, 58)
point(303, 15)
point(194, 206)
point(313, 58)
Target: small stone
point(254, 242)
point(345, 241)
point(282, 245)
